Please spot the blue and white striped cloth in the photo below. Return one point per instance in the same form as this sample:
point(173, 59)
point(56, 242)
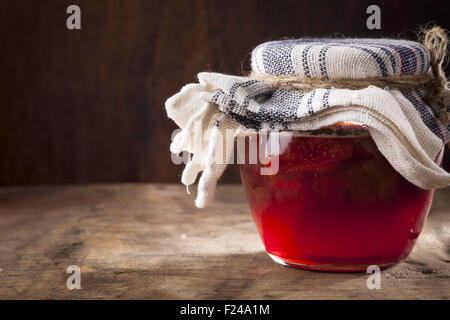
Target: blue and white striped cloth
point(406, 129)
point(345, 58)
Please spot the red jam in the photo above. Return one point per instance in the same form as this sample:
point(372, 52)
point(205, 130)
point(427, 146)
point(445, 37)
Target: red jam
point(335, 204)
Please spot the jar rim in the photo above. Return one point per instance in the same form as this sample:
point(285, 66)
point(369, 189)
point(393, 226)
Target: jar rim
point(337, 130)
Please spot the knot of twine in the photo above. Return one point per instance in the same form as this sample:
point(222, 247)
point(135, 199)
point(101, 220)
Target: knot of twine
point(433, 81)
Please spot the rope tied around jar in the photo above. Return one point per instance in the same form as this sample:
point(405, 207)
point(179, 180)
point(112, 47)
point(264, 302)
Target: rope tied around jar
point(434, 81)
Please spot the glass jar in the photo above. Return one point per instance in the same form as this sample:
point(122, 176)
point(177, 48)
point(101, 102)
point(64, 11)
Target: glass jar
point(335, 204)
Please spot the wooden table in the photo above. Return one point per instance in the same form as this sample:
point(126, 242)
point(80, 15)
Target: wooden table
point(146, 241)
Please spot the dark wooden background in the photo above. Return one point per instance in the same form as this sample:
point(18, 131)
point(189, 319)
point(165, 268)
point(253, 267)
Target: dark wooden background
point(87, 106)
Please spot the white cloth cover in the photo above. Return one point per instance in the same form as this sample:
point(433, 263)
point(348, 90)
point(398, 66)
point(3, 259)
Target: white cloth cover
point(405, 128)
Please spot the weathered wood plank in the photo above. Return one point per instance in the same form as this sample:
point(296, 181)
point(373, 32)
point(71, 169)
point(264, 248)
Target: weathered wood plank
point(88, 105)
point(149, 242)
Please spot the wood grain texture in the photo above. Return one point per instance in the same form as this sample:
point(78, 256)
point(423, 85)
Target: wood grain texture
point(144, 241)
point(87, 106)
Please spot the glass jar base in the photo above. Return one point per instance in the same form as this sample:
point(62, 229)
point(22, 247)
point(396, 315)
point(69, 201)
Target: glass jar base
point(329, 267)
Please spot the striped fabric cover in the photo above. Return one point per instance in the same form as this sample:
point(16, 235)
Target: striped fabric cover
point(406, 129)
point(345, 58)
point(324, 58)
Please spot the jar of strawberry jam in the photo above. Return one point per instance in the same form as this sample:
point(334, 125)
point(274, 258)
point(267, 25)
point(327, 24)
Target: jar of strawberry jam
point(354, 191)
point(335, 203)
